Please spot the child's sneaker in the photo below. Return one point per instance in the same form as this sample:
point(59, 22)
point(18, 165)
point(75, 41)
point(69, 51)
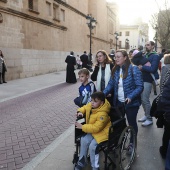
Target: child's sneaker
point(78, 167)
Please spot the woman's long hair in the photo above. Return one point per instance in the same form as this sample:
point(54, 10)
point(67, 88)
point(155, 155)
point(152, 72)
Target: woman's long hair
point(1, 54)
point(108, 60)
point(126, 64)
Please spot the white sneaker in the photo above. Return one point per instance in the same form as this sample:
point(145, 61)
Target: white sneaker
point(142, 119)
point(147, 123)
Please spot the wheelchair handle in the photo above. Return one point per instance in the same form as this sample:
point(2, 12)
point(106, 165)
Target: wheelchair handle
point(79, 117)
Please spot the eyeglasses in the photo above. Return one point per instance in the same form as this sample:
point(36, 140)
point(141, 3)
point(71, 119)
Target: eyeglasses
point(117, 57)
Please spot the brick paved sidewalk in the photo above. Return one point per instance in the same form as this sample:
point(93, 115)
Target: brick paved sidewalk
point(33, 113)
point(59, 155)
point(36, 126)
point(19, 87)
point(31, 122)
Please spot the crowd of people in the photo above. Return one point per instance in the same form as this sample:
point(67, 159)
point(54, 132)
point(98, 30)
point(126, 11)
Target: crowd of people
point(125, 80)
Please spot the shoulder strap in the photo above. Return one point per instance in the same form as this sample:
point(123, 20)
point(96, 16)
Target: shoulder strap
point(163, 84)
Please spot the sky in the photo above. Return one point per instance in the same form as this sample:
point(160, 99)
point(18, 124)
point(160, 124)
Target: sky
point(129, 10)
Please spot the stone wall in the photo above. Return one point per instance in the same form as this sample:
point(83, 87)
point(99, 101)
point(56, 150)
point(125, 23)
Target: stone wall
point(34, 43)
point(24, 63)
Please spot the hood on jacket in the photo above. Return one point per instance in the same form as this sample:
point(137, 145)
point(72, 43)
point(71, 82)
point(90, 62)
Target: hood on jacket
point(104, 108)
point(139, 59)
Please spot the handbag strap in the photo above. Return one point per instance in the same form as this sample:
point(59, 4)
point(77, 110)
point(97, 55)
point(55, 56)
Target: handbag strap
point(162, 86)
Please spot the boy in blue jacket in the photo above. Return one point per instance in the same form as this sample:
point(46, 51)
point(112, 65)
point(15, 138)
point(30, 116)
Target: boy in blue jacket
point(86, 89)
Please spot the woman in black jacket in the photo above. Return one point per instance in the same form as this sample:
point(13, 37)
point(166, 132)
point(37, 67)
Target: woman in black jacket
point(102, 71)
point(163, 108)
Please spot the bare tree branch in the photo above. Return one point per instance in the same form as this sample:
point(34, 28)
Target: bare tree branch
point(162, 21)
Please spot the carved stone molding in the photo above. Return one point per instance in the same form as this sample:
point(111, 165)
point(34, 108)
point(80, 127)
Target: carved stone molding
point(1, 18)
point(5, 1)
point(32, 18)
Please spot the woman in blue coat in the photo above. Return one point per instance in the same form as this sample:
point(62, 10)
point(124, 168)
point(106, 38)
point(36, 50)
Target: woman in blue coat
point(127, 85)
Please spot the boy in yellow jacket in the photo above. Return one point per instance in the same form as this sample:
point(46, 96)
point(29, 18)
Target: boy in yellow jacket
point(97, 128)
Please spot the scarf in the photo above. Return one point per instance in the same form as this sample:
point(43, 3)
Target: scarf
point(99, 76)
point(148, 54)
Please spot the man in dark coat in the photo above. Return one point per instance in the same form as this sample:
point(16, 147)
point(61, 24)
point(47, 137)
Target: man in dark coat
point(71, 62)
point(153, 58)
point(84, 60)
point(112, 55)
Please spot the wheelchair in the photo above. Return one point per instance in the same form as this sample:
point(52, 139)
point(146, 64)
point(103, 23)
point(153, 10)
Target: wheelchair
point(114, 153)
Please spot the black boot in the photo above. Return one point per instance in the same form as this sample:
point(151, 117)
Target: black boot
point(3, 77)
point(162, 152)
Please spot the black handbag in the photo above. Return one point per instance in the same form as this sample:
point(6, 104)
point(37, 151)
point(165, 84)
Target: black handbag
point(153, 111)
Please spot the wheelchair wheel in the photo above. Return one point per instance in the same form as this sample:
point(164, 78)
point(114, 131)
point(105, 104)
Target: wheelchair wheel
point(127, 148)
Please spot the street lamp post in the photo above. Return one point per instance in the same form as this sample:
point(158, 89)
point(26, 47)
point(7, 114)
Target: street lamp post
point(126, 43)
point(91, 22)
point(116, 37)
point(156, 37)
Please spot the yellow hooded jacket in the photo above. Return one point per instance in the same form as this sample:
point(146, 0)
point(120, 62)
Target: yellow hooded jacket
point(97, 121)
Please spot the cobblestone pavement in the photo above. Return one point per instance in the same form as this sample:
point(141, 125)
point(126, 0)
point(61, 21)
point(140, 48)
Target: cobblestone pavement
point(31, 122)
point(36, 131)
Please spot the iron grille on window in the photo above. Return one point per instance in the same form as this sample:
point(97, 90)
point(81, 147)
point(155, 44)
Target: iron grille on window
point(30, 4)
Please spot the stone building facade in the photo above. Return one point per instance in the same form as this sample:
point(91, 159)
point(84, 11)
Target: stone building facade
point(137, 35)
point(37, 35)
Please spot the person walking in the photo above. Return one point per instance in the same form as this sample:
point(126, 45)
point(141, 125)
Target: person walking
point(161, 56)
point(163, 108)
point(127, 85)
point(153, 58)
point(79, 63)
point(167, 163)
point(102, 71)
point(165, 68)
point(3, 68)
point(71, 62)
point(112, 55)
point(84, 60)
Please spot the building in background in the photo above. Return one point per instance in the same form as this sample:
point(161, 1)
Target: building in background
point(133, 36)
point(37, 35)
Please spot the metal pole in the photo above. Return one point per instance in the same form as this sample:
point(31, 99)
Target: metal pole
point(90, 41)
point(116, 43)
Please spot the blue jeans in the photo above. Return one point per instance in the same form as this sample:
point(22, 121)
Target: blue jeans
point(167, 163)
point(145, 96)
point(131, 114)
point(89, 143)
